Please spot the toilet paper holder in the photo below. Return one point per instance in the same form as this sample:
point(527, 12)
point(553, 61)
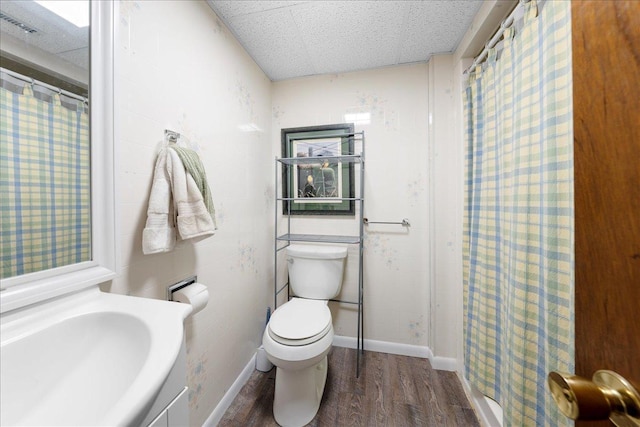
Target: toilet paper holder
point(177, 286)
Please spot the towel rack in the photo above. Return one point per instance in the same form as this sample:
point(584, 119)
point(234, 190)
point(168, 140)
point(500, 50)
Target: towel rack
point(404, 222)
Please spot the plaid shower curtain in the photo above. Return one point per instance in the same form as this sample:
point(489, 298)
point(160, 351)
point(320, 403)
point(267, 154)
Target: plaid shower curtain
point(518, 225)
point(45, 182)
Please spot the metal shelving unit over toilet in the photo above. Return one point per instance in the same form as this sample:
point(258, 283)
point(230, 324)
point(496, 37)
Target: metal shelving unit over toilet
point(356, 239)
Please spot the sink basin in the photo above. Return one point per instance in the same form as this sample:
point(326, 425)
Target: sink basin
point(90, 358)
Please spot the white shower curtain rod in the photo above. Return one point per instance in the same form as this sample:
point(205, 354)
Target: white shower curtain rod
point(493, 41)
point(35, 82)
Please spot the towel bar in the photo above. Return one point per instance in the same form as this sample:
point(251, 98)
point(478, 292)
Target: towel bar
point(404, 222)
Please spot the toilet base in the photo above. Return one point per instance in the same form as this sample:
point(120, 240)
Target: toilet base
point(298, 394)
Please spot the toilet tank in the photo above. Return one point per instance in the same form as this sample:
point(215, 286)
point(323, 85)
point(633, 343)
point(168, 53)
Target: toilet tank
point(315, 272)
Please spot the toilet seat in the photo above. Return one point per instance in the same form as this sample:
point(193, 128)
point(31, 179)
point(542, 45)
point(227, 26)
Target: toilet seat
point(300, 322)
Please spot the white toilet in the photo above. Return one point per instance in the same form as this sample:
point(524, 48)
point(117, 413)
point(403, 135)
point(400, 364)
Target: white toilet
point(300, 332)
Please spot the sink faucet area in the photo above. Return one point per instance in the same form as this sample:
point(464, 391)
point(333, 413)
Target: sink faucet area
point(89, 358)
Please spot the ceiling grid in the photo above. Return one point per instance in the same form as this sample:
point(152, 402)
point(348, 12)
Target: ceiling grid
point(290, 39)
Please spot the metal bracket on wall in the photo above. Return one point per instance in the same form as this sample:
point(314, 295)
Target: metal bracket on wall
point(177, 286)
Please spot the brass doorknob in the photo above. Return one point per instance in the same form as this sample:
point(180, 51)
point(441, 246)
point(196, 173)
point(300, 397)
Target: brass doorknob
point(608, 395)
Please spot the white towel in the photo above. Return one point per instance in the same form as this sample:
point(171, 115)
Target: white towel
point(174, 192)
point(193, 218)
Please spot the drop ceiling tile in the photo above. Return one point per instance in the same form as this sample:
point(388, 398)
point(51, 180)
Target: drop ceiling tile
point(54, 34)
point(346, 36)
point(274, 43)
point(435, 27)
point(79, 57)
point(229, 9)
point(339, 36)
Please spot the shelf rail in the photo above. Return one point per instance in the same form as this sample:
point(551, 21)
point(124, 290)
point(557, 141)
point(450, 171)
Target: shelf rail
point(285, 164)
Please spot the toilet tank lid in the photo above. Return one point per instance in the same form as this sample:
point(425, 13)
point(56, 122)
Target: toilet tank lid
point(317, 251)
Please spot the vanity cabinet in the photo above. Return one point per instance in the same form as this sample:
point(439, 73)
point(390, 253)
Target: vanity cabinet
point(175, 414)
point(171, 406)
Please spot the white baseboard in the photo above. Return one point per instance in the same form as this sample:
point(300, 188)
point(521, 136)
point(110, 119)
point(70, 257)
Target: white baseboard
point(441, 363)
point(444, 363)
point(385, 347)
point(231, 394)
point(488, 417)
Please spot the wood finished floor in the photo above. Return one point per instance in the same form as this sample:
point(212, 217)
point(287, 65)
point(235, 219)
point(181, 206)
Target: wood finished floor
point(392, 391)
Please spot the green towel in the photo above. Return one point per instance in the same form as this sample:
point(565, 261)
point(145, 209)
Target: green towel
point(193, 165)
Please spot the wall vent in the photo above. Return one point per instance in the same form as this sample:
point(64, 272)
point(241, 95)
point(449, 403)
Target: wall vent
point(24, 27)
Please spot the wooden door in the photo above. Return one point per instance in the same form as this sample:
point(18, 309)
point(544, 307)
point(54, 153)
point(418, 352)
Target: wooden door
point(606, 78)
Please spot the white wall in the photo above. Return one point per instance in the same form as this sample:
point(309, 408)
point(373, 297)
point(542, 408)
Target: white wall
point(396, 186)
point(178, 67)
point(445, 164)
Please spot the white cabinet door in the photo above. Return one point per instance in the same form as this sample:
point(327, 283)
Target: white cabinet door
point(179, 410)
point(161, 421)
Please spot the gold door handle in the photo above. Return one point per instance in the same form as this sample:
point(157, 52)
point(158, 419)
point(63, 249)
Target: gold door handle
point(608, 395)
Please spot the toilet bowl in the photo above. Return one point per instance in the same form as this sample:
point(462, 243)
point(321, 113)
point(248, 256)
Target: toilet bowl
point(300, 356)
point(299, 334)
